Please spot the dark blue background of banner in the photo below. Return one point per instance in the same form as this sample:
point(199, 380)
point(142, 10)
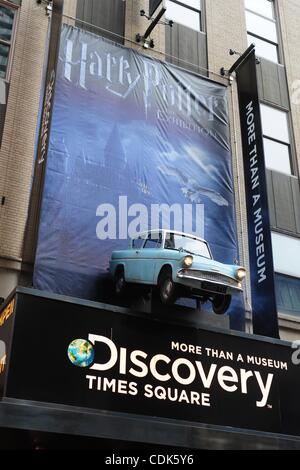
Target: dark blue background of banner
point(127, 125)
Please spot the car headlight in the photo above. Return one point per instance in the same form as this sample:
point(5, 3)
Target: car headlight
point(187, 261)
point(240, 274)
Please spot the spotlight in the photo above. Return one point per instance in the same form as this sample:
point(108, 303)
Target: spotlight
point(48, 9)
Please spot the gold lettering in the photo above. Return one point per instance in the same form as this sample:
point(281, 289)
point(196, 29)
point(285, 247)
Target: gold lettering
point(2, 364)
point(7, 312)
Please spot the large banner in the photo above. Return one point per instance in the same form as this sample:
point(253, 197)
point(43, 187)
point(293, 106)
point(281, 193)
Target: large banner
point(264, 310)
point(135, 144)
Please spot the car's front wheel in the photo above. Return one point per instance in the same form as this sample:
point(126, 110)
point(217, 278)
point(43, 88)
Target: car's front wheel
point(167, 288)
point(120, 283)
point(221, 303)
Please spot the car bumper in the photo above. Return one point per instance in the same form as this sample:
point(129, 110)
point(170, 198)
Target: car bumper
point(208, 281)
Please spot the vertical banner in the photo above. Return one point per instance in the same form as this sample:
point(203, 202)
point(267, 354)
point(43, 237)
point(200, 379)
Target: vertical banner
point(56, 22)
point(264, 310)
point(31, 233)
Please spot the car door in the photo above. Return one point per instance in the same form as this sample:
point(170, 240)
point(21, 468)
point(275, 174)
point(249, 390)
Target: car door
point(148, 257)
point(132, 270)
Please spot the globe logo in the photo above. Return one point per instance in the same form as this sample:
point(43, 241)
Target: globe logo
point(81, 352)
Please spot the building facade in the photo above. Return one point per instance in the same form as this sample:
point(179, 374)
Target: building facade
point(206, 36)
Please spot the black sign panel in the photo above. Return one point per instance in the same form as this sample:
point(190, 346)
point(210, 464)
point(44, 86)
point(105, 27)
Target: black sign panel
point(153, 5)
point(99, 358)
point(264, 310)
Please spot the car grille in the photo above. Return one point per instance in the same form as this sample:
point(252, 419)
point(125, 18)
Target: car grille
point(210, 276)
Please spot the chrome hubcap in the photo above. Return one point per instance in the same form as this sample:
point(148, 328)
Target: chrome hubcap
point(119, 284)
point(167, 289)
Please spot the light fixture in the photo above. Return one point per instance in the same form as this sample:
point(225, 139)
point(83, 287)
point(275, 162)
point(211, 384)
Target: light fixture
point(240, 274)
point(146, 43)
point(153, 22)
point(48, 7)
point(187, 261)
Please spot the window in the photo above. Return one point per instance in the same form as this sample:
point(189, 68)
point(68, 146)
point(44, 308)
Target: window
point(7, 24)
point(286, 254)
point(153, 240)
point(263, 49)
point(262, 7)
point(287, 294)
point(138, 242)
point(185, 12)
point(102, 17)
point(276, 134)
point(261, 27)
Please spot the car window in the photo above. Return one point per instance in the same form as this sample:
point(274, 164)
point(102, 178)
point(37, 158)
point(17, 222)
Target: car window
point(170, 243)
point(138, 242)
point(153, 240)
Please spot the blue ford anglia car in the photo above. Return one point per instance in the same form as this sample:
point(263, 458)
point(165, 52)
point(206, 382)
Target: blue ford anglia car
point(179, 265)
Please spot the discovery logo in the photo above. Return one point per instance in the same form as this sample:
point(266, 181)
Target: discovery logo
point(204, 375)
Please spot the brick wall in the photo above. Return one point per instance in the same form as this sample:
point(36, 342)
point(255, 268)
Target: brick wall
point(17, 150)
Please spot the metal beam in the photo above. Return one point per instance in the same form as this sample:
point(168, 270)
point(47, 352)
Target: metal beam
point(154, 23)
point(241, 59)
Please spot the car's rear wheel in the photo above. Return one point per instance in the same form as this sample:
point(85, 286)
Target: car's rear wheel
point(119, 282)
point(167, 288)
point(221, 303)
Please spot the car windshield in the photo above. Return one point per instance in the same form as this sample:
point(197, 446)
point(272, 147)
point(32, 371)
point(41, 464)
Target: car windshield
point(187, 244)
